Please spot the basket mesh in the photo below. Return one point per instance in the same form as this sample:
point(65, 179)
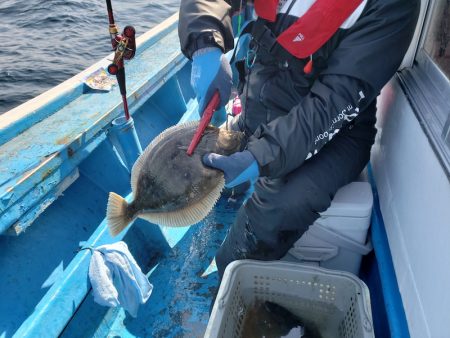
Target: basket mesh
point(349, 326)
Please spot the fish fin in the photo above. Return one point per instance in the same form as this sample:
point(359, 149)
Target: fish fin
point(189, 215)
point(143, 157)
point(135, 173)
point(116, 214)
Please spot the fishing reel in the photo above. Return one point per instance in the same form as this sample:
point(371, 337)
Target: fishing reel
point(124, 46)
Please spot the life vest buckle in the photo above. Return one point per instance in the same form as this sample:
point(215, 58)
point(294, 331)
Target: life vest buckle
point(263, 36)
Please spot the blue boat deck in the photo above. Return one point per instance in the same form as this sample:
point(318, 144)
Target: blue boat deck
point(179, 304)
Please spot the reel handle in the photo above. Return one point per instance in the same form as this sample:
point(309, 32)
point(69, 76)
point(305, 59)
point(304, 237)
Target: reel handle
point(124, 46)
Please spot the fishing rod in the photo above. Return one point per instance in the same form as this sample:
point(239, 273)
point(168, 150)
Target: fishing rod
point(124, 46)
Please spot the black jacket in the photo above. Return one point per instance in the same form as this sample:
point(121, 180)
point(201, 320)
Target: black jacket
point(292, 115)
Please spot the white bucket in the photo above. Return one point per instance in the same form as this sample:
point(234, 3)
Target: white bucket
point(338, 239)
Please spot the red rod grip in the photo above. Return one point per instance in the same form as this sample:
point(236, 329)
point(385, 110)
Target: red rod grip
point(206, 118)
point(125, 107)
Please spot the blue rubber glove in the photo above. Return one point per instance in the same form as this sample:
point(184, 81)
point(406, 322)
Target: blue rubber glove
point(211, 71)
point(238, 168)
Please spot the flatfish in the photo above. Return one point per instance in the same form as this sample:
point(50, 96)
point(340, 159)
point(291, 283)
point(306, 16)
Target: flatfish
point(169, 187)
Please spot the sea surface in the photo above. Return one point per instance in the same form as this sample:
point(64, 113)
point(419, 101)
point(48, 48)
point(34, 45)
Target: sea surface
point(45, 42)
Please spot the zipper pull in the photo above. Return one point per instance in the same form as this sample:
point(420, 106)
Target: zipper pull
point(309, 66)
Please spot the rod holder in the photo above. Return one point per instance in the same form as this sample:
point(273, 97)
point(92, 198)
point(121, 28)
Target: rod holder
point(124, 138)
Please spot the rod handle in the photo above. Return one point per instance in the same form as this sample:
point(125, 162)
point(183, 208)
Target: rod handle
point(206, 118)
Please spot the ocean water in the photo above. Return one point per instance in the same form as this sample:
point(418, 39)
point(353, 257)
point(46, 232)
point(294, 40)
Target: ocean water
point(43, 43)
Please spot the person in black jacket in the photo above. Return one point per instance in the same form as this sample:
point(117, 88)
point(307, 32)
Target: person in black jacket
point(309, 103)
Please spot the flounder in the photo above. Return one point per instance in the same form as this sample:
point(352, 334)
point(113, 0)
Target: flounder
point(169, 187)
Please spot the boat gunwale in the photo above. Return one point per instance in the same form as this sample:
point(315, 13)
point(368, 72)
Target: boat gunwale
point(22, 117)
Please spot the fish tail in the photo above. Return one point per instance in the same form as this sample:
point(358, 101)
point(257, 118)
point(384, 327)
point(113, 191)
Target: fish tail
point(116, 214)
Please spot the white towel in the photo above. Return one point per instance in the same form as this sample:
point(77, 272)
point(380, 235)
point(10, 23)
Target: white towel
point(116, 278)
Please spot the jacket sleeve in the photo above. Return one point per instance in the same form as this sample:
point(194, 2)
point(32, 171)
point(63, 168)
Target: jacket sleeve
point(201, 16)
point(364, 61)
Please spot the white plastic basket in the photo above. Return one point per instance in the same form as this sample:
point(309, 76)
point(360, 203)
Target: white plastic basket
point(337, 303)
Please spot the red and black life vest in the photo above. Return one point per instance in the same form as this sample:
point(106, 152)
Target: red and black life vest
point(310, 32)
